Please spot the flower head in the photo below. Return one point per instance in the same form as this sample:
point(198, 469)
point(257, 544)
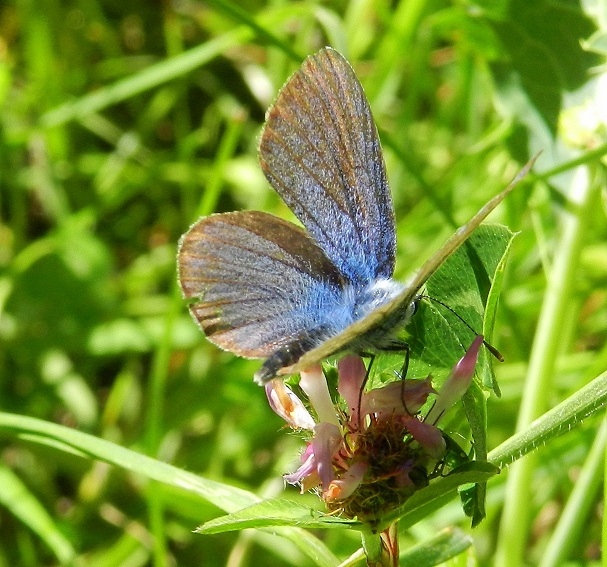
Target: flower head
point(369, 451)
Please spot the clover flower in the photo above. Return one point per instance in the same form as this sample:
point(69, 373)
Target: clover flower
point(369, 451)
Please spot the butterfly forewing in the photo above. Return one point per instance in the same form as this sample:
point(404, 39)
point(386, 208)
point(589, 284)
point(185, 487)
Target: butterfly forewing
point(321, 153)
point(257, 282)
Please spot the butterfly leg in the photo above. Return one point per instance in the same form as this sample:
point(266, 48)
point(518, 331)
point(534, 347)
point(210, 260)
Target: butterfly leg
point(403, 375)
point(362, 388)
point(401, 346)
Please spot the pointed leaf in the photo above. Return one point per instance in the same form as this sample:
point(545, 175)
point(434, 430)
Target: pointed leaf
point(464, 284)
point(276, 512)
point(439, 492)
point(446, 545)
point(542, 56)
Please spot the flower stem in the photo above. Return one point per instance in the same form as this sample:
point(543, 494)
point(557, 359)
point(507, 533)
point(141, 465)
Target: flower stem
point(546, 348)
point(381, 549)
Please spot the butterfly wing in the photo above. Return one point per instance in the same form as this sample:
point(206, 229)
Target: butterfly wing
point(321, 153)
point(400, 302)
point(258, 283)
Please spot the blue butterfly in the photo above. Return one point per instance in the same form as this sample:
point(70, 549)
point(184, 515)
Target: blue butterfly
point(262, 287)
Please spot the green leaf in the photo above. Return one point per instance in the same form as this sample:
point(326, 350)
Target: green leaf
point(465, 284)
point(543, 56)
point(276, 512)
point(485, 365)
point(469, 282)
point(447, 544)
point(473, 502)
point(280, 512)
point(439, 492)
point(224, 496)
point(16, 497)
point(475, 406)
point(70, 440)
point(553, 423)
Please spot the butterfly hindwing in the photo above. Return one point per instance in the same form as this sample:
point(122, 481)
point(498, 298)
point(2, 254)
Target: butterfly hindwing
point(256, 283)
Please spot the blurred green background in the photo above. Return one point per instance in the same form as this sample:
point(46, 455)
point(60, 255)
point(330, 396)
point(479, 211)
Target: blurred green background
point(122, 122)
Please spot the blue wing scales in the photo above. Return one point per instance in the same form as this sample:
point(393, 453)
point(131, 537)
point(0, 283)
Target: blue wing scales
point(321, 153)
point(259, 284)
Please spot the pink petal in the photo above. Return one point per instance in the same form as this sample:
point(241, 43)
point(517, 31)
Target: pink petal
point(405, 397)
point(348, 483)
point(327, 440)
point(428, 436)
point(352, 374)
point(314, 384)
point(457, 383)
point(287, 405)
point(307, 468)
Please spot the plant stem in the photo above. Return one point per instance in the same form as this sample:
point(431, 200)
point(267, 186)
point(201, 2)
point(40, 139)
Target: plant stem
point(381, 549)
point(545, 350)
point(576, 513)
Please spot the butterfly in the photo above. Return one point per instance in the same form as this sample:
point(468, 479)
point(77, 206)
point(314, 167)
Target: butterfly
point(262, 287)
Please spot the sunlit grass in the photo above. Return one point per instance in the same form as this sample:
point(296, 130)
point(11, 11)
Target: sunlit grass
point(122, 123)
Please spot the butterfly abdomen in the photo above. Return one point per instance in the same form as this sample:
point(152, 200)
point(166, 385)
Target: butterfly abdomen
point(290, 354)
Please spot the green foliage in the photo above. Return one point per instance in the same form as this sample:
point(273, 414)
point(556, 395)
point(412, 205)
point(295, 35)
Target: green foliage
point(439, 337)
point(121, 123)
point(540, 62)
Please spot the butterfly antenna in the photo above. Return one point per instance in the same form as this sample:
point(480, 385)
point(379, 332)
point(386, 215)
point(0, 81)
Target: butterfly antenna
point(496, 353)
